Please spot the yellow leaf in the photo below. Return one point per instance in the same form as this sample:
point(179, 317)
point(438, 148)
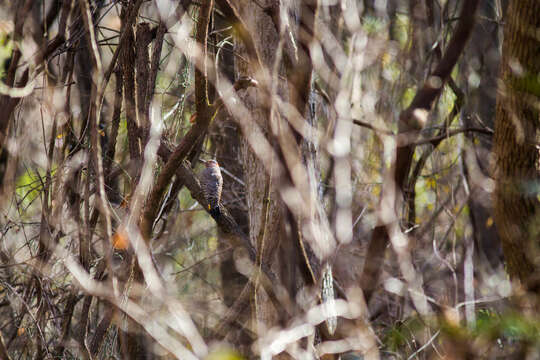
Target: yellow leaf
point(386, 59)
point(452, 316)
point(489, 222)
point(224, 354)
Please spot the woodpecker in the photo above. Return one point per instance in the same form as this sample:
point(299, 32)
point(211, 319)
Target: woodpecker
point(212, 184)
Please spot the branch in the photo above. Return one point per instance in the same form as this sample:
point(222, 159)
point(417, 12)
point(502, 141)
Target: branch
point(201, 81)
point(67, 316)
point(154, 65)
point(243, 33)
point(411, 185)
point(3, 350)
point(115, 124)
point(130, 19)
point(144, 37)
point(452, 132)
point(7, 104)
point(234, 315)
point(205, 114)
point(371, 127)
point(128, 67)
point(408, 139)
point(300, 77)
point(425, 97)
point(102, 329)
point(94, 115)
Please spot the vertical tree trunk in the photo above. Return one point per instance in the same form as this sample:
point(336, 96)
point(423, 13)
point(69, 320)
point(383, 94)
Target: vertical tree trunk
point(516, 138)
point(265, 207)
point(227, 147)
point(478, 79)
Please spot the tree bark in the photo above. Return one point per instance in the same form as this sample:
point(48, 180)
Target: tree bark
point(227, 147)
point(516, 138)
point(481, 61)
point(265, 207)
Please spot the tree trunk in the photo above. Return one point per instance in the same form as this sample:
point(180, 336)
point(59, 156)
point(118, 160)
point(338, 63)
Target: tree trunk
point(478, 79)
point(515, 143)
point(265, 207)
point(227, 147)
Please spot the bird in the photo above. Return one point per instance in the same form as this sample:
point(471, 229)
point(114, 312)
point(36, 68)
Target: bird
point(212, 185)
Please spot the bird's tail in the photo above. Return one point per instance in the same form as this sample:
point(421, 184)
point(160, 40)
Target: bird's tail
point(215, 212)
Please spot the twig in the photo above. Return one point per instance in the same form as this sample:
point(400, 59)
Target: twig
point(3, 350)
point(218, 253)
point(425, 345)
point(452, 132)
point(369, 126)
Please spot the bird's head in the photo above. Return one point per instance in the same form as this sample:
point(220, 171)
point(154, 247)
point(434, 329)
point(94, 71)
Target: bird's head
point(211, 163)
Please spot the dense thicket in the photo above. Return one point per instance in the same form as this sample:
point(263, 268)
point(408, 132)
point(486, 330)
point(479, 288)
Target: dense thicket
point(364, 213)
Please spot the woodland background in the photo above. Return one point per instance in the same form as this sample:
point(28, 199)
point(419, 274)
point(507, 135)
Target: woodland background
point(381, 179)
